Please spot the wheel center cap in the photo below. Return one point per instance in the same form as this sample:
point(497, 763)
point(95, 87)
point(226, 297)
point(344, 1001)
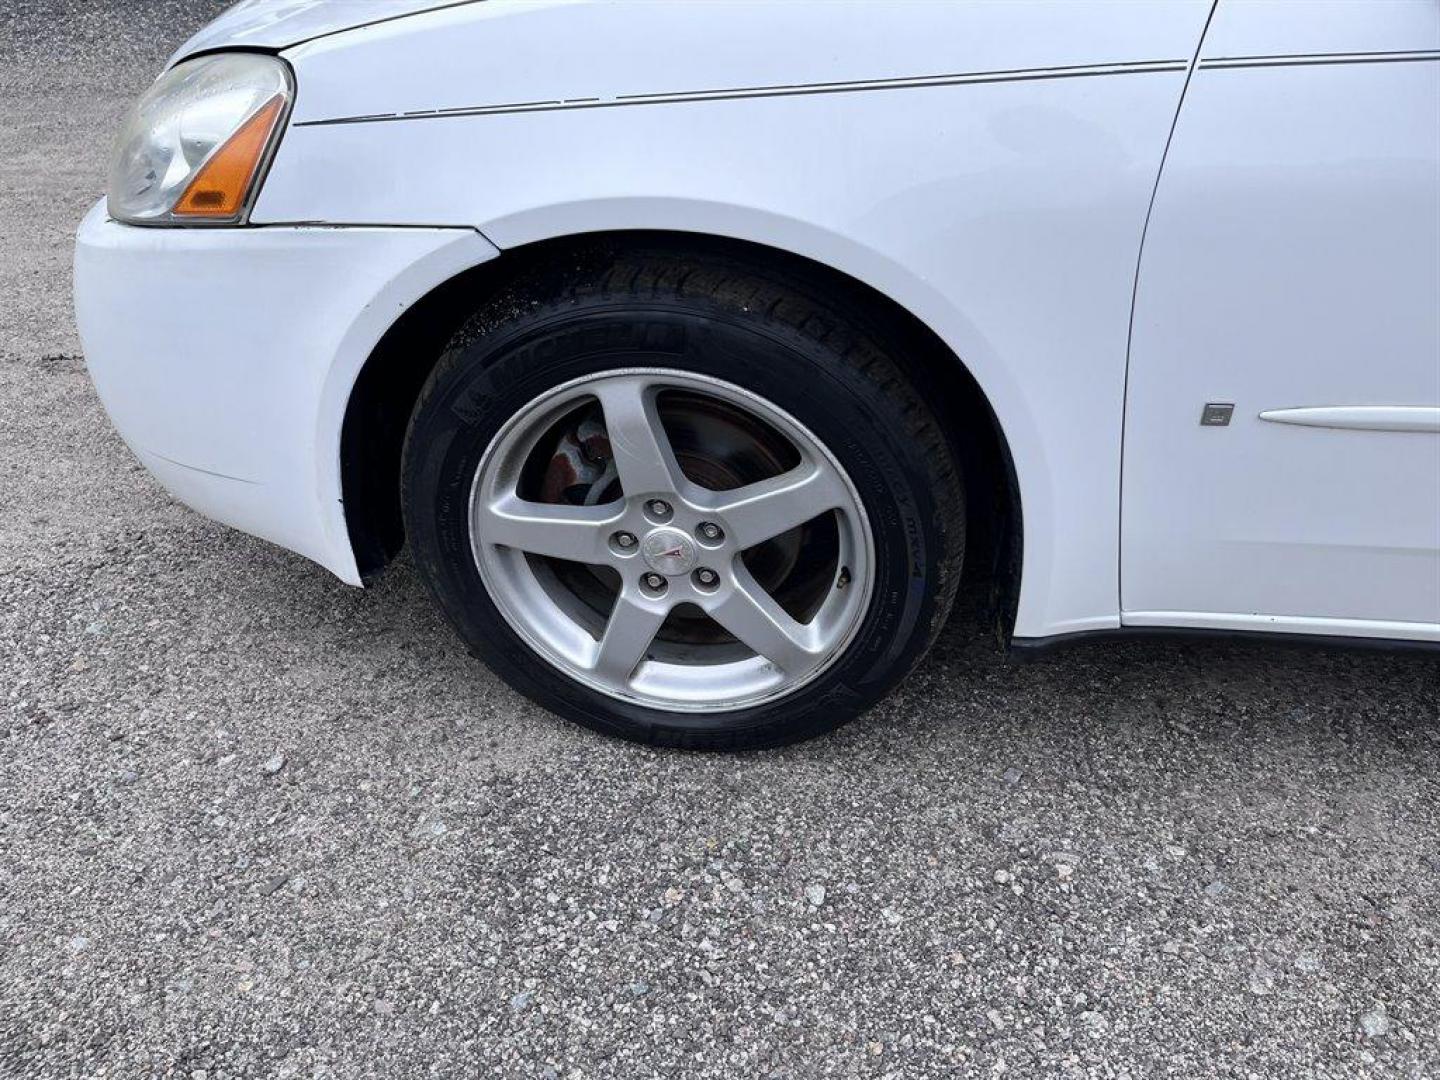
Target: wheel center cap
point(668, 551)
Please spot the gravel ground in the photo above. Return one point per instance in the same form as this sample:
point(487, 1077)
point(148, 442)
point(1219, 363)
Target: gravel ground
point(255, 823)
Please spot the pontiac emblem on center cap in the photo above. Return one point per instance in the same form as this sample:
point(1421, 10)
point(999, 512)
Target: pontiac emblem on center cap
point(669, 552)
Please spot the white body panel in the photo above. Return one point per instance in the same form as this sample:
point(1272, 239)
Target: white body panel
point(518, 52)
point(1283, 28)
point(1292, 268)
point(1006, 215)
point(268, 24)
point(224, 357)
point(990, 166)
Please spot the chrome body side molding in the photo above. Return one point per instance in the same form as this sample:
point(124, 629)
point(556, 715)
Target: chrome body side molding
point(1360, 417)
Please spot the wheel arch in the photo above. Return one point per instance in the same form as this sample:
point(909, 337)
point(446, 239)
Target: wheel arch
point(382, 397)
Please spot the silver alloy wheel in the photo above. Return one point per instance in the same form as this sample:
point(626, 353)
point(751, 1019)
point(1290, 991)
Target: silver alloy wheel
point(668, 543)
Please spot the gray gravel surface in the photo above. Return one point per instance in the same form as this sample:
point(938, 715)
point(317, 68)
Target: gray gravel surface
point(254, 823)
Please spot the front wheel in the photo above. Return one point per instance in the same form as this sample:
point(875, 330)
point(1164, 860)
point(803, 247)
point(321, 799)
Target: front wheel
point(682, 504)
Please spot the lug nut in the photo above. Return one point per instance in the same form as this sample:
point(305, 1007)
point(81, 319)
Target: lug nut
point(712, 532)
point(625, 540)
point(659, 508)
point(706, 578)
point(654, 581)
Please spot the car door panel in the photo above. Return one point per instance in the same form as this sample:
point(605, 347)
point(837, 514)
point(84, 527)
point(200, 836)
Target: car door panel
point(1291, 268)
point(1320, 28)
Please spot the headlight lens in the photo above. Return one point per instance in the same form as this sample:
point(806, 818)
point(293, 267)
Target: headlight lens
point(194, 144)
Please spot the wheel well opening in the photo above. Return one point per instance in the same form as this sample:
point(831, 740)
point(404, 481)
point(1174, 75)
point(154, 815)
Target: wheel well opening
point(378, 412)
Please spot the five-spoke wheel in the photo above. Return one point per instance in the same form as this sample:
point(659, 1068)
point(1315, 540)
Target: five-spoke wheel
point(665, 543)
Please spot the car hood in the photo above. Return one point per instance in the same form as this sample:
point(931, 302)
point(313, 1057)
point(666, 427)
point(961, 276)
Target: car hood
point(278, 24)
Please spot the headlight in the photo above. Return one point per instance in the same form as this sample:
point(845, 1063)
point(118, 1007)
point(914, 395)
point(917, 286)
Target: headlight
point(194, 145)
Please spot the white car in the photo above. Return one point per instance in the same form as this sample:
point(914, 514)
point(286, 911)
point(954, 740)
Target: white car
point(690, 345)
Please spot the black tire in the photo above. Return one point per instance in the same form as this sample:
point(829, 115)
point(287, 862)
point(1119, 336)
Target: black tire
point(767, 331)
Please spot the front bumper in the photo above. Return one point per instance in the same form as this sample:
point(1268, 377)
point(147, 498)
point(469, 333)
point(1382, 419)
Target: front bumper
point(225, 357)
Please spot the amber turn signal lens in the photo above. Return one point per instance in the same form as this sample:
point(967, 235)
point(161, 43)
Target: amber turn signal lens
point(219, 188)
